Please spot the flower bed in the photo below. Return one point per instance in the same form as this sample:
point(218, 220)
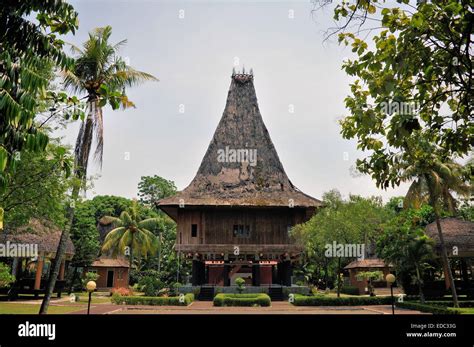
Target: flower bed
point(242, 300)
point(184, 300)
point(321, 300)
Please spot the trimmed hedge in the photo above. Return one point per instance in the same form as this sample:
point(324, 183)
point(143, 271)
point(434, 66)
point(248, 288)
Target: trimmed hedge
point(429, 308)
point(319, 300)
point(350, 290)
point(153, 300)
point(261, 299)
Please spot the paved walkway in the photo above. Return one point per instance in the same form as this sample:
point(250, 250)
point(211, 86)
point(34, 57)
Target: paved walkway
point(205, 307)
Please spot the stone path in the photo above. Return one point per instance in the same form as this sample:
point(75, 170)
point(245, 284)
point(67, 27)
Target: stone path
point(205, 307)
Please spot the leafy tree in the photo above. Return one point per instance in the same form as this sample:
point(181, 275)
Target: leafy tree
point(39, 187)
point(100, 73)
point(131, 232)
point(356, 221)
point(405, 245)
point(28, 51)
point(154, 188)
point(410, 102)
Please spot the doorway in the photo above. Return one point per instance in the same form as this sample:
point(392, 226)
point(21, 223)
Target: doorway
point(110, 278)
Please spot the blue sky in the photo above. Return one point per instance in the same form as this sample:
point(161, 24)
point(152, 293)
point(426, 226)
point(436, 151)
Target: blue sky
point(193, 56)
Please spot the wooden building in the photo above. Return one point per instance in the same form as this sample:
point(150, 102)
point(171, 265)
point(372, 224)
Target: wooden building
point(113, 272)
point(32, 272)
point(234, 217)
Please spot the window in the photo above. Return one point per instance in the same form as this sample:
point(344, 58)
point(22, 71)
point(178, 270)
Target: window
point(194, 230)
point(241, 230)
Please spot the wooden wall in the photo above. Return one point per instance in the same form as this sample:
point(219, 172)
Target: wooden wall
point(216, 226)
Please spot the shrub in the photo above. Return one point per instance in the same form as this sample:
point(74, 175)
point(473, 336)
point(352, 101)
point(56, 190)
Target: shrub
point(122, 291)
point(350, 290)
point(182, 300)
point(319, 300)
point(6, 278)
point(240, 284)
point(259, 299)
point(150, 285)
point(429, 308)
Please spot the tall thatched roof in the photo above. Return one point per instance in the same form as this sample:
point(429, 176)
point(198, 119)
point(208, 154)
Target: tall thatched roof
point(367, 264)
point(225, 179)
point(41, 232)
point(456, 233)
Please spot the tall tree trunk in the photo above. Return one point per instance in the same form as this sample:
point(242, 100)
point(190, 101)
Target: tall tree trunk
point(71, 286)
point(130, 259)
point(80, 170)
point(159, 254)
point(60, 252)
point(444, 254)
point(420, 289)
point(446, 261)
point(338, 279)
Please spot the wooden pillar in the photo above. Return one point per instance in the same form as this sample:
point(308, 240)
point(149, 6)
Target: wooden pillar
point(195, 273)
point(256, 275)
point(62, 270)
point(39, 272)
point(226, 274)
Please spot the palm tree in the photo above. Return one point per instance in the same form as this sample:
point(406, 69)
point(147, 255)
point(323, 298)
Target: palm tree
point(133, 233)
point(103, 76)
point(434, 179)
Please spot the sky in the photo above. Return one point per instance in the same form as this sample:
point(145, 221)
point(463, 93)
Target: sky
point(191, 47)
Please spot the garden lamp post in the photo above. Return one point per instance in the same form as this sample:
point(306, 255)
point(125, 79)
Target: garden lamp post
point(390, 278)
point(90, 286)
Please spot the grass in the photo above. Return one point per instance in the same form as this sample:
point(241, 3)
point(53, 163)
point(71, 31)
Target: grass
point(465, 310)
point(19, 308)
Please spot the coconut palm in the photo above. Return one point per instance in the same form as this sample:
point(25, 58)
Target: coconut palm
point(435, 179)
point(103, 76)
point(132, 233)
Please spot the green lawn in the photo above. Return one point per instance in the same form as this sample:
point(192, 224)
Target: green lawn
point(17, 308)
point(466, 310)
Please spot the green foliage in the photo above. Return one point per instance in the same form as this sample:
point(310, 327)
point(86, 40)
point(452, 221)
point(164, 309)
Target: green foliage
point(133, 232)
point(150, 284)
point(356, 221)
point(319, 300)
point(422, 56)
point(186, 300)
point(154, 188)
point(405, 245)
point(239, 281)
point(370, 276)
point(260, 299)
point(30, 49)
point(38, 188)
point(350, 290)
point(429, 308)
point(6, 278)
point(103, 75)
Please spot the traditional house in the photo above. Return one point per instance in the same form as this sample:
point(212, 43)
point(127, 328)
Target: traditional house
point(458, 238)
point(234, 217)
point(35, 246)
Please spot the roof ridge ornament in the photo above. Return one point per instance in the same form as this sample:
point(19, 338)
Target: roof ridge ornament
point(242, 76)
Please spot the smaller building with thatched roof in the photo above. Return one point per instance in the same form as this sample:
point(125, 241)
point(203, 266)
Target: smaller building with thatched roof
point(458, 236)
point(113, 272)
point(32, 270)
point(363, 265)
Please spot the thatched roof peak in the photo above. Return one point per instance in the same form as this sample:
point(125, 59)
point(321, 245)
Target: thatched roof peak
point(241, 166)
